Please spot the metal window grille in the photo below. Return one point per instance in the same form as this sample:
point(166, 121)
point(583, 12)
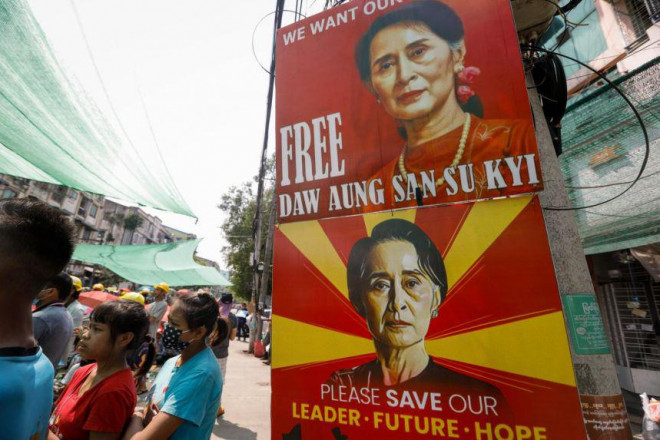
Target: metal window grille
point(634, 17)
point(653, 7)
point(629, 312)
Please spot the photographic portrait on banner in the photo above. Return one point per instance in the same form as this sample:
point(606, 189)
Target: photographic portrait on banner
point(394, 104)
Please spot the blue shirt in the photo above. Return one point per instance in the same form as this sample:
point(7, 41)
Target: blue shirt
point(191, 392)
point(26, 395)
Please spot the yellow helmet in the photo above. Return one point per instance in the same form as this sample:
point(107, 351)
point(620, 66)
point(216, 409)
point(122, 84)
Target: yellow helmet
point(163, 286)
point(133, 296)
point(98, 286)
point(77, 284)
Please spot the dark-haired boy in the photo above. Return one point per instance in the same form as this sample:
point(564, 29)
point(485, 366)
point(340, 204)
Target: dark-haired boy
point(36, 242)
point(52, 324)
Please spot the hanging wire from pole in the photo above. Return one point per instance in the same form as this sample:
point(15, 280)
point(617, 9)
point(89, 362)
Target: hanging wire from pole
point(642, 125)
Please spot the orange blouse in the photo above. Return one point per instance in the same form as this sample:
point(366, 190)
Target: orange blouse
point(488, 139)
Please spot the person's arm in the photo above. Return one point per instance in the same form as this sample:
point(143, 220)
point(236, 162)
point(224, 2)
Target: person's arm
point(162, 426)
point(52, 436)
point(232, 334)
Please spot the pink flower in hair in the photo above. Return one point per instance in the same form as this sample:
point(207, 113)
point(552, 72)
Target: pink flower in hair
point(468, 75)
point(464, 93)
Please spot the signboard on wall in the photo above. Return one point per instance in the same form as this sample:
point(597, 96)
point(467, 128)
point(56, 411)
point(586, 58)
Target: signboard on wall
point(429, 322)
point(586, 324)
point(385, 104)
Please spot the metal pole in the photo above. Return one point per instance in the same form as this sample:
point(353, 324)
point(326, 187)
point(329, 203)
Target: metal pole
point(268, 255)
point(256, 224)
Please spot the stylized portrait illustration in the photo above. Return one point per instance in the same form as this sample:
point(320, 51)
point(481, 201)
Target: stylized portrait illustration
point(412, 60)
point(397, 282)
point(428, 314)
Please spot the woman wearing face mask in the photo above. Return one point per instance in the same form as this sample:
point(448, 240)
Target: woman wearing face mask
point(99, 400)
point(185, 396)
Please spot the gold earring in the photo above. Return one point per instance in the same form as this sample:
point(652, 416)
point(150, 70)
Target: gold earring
point(434, 314)
point(458, 67)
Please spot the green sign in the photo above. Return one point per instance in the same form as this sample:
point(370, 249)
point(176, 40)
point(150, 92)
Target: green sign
point(586, 325)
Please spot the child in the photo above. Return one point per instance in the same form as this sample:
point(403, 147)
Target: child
point(101, 396)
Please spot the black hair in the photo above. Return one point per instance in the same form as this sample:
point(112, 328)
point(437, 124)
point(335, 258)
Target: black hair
point(200, 310)
point(123, 317)
point(429, 259)
point(62, 283)
point(75, 294)
point(438, 17)
point(221, 332)
point(40, 240)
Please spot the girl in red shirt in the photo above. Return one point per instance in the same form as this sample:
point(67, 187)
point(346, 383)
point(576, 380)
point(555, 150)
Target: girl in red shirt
point(101, 397)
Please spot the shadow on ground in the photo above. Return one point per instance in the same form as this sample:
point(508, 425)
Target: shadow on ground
point(227, 430)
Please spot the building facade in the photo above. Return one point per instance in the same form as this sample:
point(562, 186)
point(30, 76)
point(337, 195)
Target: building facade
point(604, 150)
point(98, 220)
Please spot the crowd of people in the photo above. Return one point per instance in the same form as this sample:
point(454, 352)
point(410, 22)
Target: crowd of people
point(108, 352)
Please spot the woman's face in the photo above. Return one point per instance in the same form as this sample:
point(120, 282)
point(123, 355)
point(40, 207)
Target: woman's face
point(412, 70)
point(96, 342)
point(399, 298)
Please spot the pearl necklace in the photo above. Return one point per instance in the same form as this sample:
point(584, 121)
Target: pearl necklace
point(457, 157)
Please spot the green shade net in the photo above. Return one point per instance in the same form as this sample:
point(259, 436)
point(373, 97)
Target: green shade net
point(51, 131)
point(603, 152)
point(151, 264)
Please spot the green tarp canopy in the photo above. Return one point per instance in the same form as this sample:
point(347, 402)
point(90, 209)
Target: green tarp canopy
point(151, 264)
point(52, 131)
point(603, 152)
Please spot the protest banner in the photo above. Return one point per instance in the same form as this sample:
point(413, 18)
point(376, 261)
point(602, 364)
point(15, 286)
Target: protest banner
point(429, 322)
point(386, 104)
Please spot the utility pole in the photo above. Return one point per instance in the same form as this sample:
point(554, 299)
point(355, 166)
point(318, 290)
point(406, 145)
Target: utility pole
point(595, 374)
point(257, 222)
point(268, 256)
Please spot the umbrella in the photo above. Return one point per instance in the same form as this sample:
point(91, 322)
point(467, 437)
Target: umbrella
point(149, 288)
point(95, 297)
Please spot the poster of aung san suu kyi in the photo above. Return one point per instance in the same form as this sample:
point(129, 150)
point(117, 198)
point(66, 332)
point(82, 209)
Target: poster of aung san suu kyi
point(433, 322)
point(385, 104)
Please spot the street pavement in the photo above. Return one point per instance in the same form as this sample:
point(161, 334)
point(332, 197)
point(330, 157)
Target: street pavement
point(245, 397)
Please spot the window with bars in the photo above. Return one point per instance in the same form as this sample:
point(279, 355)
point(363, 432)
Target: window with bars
point(632, 315)
point(634, 17)
point(653, 6)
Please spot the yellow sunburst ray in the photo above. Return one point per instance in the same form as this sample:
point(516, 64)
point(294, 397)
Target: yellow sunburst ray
point(313, 344)
point(312, 241)
point(536, 347)
point(371, 220)
point(485, 222)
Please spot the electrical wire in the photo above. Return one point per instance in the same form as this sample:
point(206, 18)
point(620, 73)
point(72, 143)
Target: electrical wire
point(256, 224)
point(637, 115)
point(561, 12)
point(254, 32)
point(607, 185)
